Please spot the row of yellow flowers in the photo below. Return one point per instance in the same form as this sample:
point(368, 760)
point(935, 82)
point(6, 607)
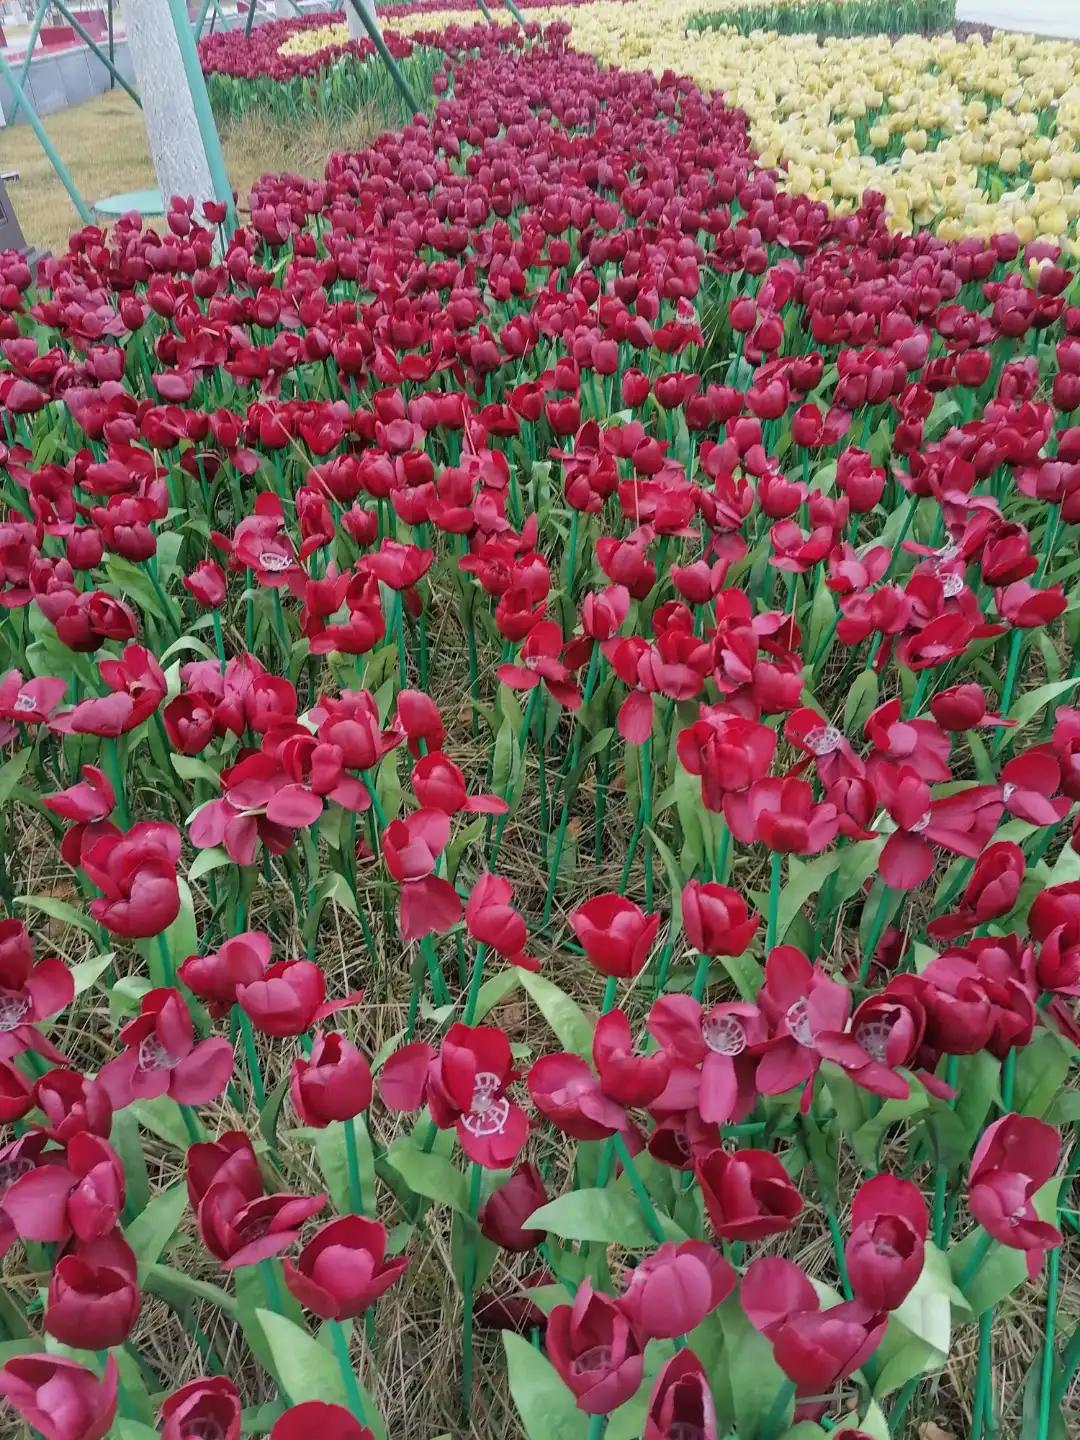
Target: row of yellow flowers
point(964, 137)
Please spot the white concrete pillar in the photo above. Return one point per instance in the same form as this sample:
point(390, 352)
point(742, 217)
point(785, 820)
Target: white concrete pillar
point(356, 28)
point(172, 128)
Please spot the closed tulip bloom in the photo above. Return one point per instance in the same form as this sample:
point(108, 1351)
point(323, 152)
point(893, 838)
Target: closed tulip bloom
point(1015, 1158)
point(592, 1345)
point(70, 1103)
point(207, 584)
point(886, 1249)
point(242, 1231)
point(136, 873)
point(60, 1398)
point(615, 934)
point(290, 998)
point(230, 1158)
point(681, 1405)
point(675, 1288)
point(214, 977)
point(716, 920)
point(344, 1269)
point(333, 1082)
point(503, 1214)
point(748, 1194)
point(316, 1418)
point(93, 1298)
point(204, 1409)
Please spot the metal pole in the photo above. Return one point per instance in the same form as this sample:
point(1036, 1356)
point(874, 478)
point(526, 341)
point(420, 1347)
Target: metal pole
point(46, 144)
point(112, 43)
point(201, 21)
point(250, 18)
point(24, 68)
point(515, 12)
point(80, 31)
point(204, 115)
point(375, 36)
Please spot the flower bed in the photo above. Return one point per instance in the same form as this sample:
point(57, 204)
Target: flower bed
point(832, 17)
point(541, 775)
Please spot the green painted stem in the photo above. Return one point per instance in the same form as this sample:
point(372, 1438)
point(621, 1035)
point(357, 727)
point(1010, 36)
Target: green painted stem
point(476, 1176)
point(251, 1056)
point(772, 1427)
point(219, 640)
point(89, 40)
point(597, 1426)
point(348, 1374)
point(652, 1220)
point(982, 1404)
point(564, 817)
point(352, 1165)
point(647, 816)
point(776, 875)
point(375, 36)
point(1046, 1368)
point(941, 1174)
point(168, 973)
point(877, 929)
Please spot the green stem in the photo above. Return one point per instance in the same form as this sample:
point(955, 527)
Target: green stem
point(772, 1427)
point(348, 1374)
point(982, 1405)
point(251, 1056)
point(776, 875)
point(476, 1176)
point(352, 1164)
point(978, 1255)
point(597, 1426)
point(1046, 1369)
point(652, 1220)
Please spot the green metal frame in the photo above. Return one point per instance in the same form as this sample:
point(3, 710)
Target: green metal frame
point(43, 7)
point(63, 174)
point(106, 60)
point(376, 38)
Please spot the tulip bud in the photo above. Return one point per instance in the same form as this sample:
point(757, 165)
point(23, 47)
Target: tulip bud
point(504, 1213)
point(592, 1345)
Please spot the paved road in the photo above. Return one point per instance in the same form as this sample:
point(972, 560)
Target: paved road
point(1038, 17)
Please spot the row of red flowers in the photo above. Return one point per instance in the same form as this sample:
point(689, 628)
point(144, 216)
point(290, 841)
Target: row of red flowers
point(553, 395)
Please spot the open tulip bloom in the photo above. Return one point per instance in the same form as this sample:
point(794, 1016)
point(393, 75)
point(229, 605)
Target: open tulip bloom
point(541, 749)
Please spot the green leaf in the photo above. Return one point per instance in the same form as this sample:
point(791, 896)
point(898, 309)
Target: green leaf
point(565, 1016)
point(920, 1329)
point(1028, 705)
point(177, 1288)
point(866, 1140)
point(58, 910)
point(87, 972)
point(150, 1232)
point(11, 772)
point(612, 1215)
point(752, 1375)
point(207, 860)
point(306, 1369)
point(507, 760)
point(190, 767)
point(1041, 1068)
point(268, 1115)
point(161, 1116)
point(675, 881)
point(546, 1407)
point(330, 1149)
point(181, 939)
point(494, 991)
point(804, 881)
point(429, 1175)
point(822, 614)
point(861, 699)
point(124, 1137)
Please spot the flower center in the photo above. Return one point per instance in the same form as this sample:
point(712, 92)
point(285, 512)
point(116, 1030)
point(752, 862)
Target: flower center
point(685, 1430)
point(1007, 792)
point(951, 584)
point(886, 1249)
point(723, 1034)
point(154, 1056)
point(204, 1427)
point(14, 1009)
point(489, 1111)
point(25, 704)
point(824, 741)
point(798, 1023)
point(597, 1358)
point(273, 560)
point(874, 1038)
point(921, 823)
point(12, 1170)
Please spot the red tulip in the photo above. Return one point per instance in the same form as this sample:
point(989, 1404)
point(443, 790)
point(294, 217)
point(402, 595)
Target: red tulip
point(60, 1398)
point(1016, 1156)
point(93, 1298)
point(207, 584)
point(332, 1083)
point(208, 1406)
point(136, 873)
point(242, 1231)
point(315, 1417)
point(161, 1056)
point(748, 1195)
point(885, 1252)
point(716, 920)
point(615, 934)
point(503, 1214)
point(343, 1269)
point(672, 1290)
point(216, 976)
point(290, 998)
point(81, 1193)
point(713, 1054)
point(681, 1405)
point(592, 1345)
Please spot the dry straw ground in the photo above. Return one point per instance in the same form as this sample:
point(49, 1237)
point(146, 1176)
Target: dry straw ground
point(103, 144)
